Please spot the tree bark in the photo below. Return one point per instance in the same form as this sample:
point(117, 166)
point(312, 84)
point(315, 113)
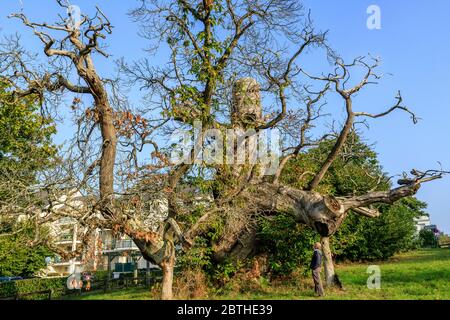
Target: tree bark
point(161, 252)
point(167, 280)
point(108, 130)
point(108, 153)
point(328, 262)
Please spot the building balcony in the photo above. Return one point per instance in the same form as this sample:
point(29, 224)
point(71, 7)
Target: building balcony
point(66, 242)
point(119, 245)
point(65, 263)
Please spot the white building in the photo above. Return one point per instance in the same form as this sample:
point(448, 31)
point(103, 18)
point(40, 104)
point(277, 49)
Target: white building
point(104, 251)
point(65, 232)
point(422, 222)
point(123, 254)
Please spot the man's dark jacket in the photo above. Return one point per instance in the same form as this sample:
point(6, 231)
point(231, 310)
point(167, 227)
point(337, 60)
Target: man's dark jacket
point(316, 261)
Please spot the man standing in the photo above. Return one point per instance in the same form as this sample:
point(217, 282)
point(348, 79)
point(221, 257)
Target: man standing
point(316, 266)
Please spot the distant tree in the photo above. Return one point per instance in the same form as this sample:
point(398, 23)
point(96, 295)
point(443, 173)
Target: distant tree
point(17, 256)
point(26, 148)
point(380, 238)
point(26, 145)
point(428, 239)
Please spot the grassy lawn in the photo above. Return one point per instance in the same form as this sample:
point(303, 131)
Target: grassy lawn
point(423, 274)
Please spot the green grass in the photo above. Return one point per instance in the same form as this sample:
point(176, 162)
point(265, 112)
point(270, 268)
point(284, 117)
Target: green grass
point(124, 294)
point(423, 274)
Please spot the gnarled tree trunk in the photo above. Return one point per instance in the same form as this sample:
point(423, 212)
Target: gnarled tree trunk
point(162, 253)
point(159, 248)
point(328, 265)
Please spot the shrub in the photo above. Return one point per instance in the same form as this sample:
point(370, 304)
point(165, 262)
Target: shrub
point(16, 257)
point(242, 282)
point(199, 257)
point(100, 275)
point(11, 289)
point(191, 284)
point(362, 238)
point(289, 244)
point(428, 239)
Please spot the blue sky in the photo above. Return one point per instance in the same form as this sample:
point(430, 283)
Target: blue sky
point(414, 46)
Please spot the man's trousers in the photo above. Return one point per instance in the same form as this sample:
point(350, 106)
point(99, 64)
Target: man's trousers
point(317, 281)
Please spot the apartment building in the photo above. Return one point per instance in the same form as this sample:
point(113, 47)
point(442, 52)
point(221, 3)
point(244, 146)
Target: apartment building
point(422, 222)
point(103, 252)
point(66, 234)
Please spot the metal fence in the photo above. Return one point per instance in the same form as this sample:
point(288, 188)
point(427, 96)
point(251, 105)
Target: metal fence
point(114, 284)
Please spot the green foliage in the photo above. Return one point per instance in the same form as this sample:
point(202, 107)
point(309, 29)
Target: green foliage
point(354, 172)
point(25, 148)
point(11, 289)
point(17, 258)
point(25, 142)
point(224, 271)
point(198, 258)
point(362, 238)
point(202, 45)
point(25, 135)
point(288, 243)
point(100, 275)
point(427, 239)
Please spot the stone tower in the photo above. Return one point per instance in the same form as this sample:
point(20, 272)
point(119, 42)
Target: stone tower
point(246, 108)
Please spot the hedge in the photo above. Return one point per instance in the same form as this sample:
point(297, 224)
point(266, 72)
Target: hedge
point(13, 288)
